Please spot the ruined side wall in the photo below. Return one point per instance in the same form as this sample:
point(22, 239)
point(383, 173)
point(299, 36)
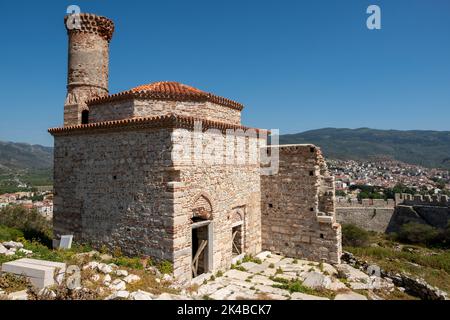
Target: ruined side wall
point(111, 189)
point(234, 194)
point(118, 110)
point(293, 203)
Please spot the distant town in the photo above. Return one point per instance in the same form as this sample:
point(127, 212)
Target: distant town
point(383, 178)
point(42, 201)
point(379, 179)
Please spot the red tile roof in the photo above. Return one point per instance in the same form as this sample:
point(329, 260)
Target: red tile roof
point(167, 121)
point(168, 90)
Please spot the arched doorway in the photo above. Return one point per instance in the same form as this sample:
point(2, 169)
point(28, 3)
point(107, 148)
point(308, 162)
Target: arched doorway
point(202, 235)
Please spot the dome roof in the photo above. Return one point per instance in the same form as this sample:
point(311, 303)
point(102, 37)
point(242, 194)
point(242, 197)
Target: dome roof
point(168, 90)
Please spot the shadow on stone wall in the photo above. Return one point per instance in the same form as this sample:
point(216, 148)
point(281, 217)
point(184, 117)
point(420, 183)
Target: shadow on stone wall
point(437, 217)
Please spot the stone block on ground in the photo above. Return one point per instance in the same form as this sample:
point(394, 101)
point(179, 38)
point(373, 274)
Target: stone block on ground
point(315, 280)
point(41, 273)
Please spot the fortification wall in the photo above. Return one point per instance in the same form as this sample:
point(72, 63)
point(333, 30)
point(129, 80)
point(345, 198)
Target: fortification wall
point(293, 203)
point(389, 216)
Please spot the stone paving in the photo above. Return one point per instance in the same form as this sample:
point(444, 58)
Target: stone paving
point(250, 280)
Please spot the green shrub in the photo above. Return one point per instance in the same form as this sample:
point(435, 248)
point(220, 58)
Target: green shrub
point(29, 222)
point(7, 234)
point(165, 267)
point(417, 233)
point(132, 263)
point(353, 236)
point(250, 258)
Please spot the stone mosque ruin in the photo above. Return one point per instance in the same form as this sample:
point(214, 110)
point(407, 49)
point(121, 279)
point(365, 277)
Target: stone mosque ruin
point(119, 182)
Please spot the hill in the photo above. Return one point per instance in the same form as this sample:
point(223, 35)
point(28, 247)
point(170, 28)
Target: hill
point(24, 164)
point(425, 148)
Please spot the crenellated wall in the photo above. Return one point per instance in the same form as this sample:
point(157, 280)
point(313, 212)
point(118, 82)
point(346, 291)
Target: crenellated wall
point(389, 215)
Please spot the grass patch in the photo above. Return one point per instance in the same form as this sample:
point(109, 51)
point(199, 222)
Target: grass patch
point(297, 286)
point(250, 258)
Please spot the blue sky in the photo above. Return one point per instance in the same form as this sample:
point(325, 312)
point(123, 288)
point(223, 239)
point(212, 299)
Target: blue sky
point(296, 65)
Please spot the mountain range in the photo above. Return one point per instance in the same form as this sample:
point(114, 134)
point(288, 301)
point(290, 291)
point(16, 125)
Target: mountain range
point(425, 148)
point(421, 147)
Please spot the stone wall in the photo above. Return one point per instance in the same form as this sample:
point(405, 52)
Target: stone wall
point(370, 218)
point(129, 108)
point(388, 216)
point(111, 189)
point(233, 192)
point(298, 218)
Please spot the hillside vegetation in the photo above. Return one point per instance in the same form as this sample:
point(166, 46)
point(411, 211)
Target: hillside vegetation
point(425, 148)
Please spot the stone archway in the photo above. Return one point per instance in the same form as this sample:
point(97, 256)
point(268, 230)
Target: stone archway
point(201, 208)
point(202, 234)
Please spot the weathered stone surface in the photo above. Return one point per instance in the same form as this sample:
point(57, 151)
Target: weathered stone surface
point(18, 295)
point(350, 296)
point(316, 280)
point(12, 244)
point(121, 294)
point(118, 285)
point(121, 273)
point(41, 273)
point(236, 274)
point(304, 296)
point(3, 249)
point(141, 295)
point(132, 278)
point(351, 274)
point(293, 200)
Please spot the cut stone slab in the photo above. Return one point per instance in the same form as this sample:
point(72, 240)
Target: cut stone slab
point(65, 242)
point(258, 267)
point(348, 272)
point(350, 296)
point(271, 290)
point(257, 279)
point(316, 280)
point(41, 273)
point(304, 296)
point(168, 296)
point(236, 274)
point(59, 267)
point(222, 294)
point(141, 295)
point(249, 265)
point(18, 295)
point(263, 255)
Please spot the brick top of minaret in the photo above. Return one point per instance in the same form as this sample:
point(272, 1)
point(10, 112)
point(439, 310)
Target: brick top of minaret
point(91, 23)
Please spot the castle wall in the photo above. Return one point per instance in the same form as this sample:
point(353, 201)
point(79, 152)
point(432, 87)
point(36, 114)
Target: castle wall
point(233, 192)
point(111, 189)
point(293, 203)
point(124, 109)
point(389, 215)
